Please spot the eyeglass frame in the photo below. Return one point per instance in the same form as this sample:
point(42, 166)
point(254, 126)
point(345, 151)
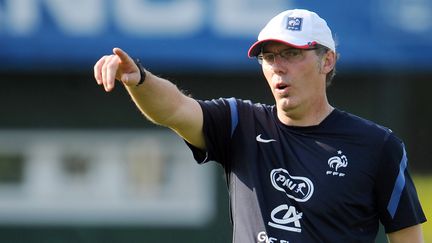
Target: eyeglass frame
point(261, 60)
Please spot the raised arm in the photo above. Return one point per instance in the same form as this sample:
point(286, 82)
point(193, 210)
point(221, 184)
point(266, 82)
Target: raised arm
point(158, 99)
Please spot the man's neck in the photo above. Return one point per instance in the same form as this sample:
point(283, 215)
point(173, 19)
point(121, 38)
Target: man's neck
point(305, 117)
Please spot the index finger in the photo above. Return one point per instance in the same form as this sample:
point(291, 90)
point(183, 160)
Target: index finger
point(124, 57)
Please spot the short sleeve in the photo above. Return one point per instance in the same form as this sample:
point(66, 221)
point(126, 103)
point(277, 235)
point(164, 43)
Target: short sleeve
point(397, 199)
point(220, 120)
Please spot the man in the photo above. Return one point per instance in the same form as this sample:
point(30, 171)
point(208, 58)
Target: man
point(297, 171)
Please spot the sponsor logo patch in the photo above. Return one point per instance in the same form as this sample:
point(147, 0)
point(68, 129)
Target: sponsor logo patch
point(298, 188)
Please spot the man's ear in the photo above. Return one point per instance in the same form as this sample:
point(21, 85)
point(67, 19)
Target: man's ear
point(329, 61)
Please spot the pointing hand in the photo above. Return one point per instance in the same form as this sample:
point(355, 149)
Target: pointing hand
point(117, 66)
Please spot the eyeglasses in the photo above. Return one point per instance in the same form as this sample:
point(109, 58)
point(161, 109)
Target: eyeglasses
point(288, 55)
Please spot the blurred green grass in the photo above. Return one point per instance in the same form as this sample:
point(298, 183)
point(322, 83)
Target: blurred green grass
point(424, 189)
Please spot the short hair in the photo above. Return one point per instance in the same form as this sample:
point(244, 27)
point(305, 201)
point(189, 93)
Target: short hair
point(321, 51)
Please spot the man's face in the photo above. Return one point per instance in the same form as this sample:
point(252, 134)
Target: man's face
point(295, 76)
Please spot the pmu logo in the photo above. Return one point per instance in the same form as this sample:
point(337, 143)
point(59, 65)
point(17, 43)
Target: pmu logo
point(294, 23)
point(295, 187)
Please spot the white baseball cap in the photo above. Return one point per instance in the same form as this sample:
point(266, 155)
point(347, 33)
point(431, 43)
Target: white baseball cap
point(298, 28)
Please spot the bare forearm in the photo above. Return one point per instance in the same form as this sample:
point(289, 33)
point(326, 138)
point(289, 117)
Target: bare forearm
point(163, 103)
point(157, 98)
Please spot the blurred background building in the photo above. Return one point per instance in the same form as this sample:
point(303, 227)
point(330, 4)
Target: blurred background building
point(80, 165)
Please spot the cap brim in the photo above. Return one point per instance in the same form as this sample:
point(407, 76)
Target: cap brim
point(255, 49)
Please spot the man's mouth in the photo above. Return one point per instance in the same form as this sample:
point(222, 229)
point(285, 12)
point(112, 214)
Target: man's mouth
point(281, 86)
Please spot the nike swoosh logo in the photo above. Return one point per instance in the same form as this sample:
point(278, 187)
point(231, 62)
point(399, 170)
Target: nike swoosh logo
point(262, 140)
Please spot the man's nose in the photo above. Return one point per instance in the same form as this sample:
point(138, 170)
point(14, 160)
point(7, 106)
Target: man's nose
point(279, 64)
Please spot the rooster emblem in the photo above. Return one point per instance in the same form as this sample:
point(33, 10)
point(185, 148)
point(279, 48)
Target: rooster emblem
point(337, 162)
point(294, 23)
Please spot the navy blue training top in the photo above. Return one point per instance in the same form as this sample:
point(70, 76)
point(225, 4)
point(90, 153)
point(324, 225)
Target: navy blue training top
point(332, 182)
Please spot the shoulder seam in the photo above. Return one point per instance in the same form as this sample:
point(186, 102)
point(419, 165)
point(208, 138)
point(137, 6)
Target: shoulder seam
point(234, 114)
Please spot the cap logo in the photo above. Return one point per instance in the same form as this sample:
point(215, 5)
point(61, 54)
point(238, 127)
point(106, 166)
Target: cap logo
point(294, 23)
